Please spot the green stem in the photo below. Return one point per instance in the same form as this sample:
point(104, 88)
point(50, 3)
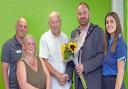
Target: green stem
point(83, 81)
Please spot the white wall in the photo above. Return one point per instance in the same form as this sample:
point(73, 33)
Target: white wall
point(117, 6)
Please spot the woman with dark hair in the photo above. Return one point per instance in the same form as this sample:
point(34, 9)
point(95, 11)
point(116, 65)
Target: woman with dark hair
point(115, 53)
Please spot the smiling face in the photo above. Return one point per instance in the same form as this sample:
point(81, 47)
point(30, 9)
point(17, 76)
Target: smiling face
point(110, 25)
point(29, 45)
point(112, 30)
point(55, 23)
point(83, 15)
point(21, 28)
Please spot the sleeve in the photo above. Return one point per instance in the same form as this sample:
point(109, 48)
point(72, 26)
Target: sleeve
point(66, 39)
point(43, 48)
point(5, 53)
point(121, 51)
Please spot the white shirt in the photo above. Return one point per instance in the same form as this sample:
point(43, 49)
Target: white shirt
point(83, 34)
point(50, 48)
point(82, 38)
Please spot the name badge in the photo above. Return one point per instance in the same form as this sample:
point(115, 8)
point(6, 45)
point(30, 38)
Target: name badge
point(18, 51)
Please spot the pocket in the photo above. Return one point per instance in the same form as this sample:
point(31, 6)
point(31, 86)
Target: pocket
point(14, 56)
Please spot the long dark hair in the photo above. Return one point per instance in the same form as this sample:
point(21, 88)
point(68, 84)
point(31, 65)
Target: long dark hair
point(117, 32)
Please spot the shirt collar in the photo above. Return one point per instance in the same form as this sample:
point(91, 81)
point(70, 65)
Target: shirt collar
point(85, 29)
point(54, 35)
point(16, 41)
point(112, 38)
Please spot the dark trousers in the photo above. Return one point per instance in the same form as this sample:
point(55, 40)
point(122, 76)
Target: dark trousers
point(109, 82)
point(79, 86)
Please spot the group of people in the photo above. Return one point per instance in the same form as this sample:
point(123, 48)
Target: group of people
point(102, 60)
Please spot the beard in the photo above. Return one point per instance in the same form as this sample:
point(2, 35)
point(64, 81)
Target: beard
point(83, 22)
point(22, 35)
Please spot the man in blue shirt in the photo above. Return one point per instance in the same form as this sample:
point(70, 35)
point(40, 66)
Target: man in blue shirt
point(11, 53)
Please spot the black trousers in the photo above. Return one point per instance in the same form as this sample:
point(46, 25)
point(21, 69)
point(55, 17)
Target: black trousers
point(79, 86)
point(109, 82)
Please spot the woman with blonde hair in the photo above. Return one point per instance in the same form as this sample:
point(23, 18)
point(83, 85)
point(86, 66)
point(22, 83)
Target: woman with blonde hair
point(31, 70)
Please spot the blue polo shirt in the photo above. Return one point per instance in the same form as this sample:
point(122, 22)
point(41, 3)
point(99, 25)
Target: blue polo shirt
point(11, 53)
point(111, 58)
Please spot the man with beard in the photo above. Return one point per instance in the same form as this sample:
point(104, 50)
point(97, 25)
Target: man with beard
point(11, 53)
point(90, 55)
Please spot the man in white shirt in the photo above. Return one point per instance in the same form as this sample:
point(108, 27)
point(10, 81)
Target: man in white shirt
point(50, 51)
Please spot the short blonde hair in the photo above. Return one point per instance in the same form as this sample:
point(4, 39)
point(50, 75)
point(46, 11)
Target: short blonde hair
point(22, 19)
point(54, 13)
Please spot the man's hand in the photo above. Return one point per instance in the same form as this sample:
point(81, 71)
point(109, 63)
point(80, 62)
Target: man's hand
point(62, 78)
point(66, 77)
point(79, 68)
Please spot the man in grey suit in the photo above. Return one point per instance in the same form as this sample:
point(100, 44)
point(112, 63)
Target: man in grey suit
point(91, 52)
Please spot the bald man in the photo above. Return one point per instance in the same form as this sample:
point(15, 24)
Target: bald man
point(11, 53)
point(50, 44)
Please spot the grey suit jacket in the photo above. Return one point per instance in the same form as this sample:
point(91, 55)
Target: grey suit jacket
point(91, 58)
